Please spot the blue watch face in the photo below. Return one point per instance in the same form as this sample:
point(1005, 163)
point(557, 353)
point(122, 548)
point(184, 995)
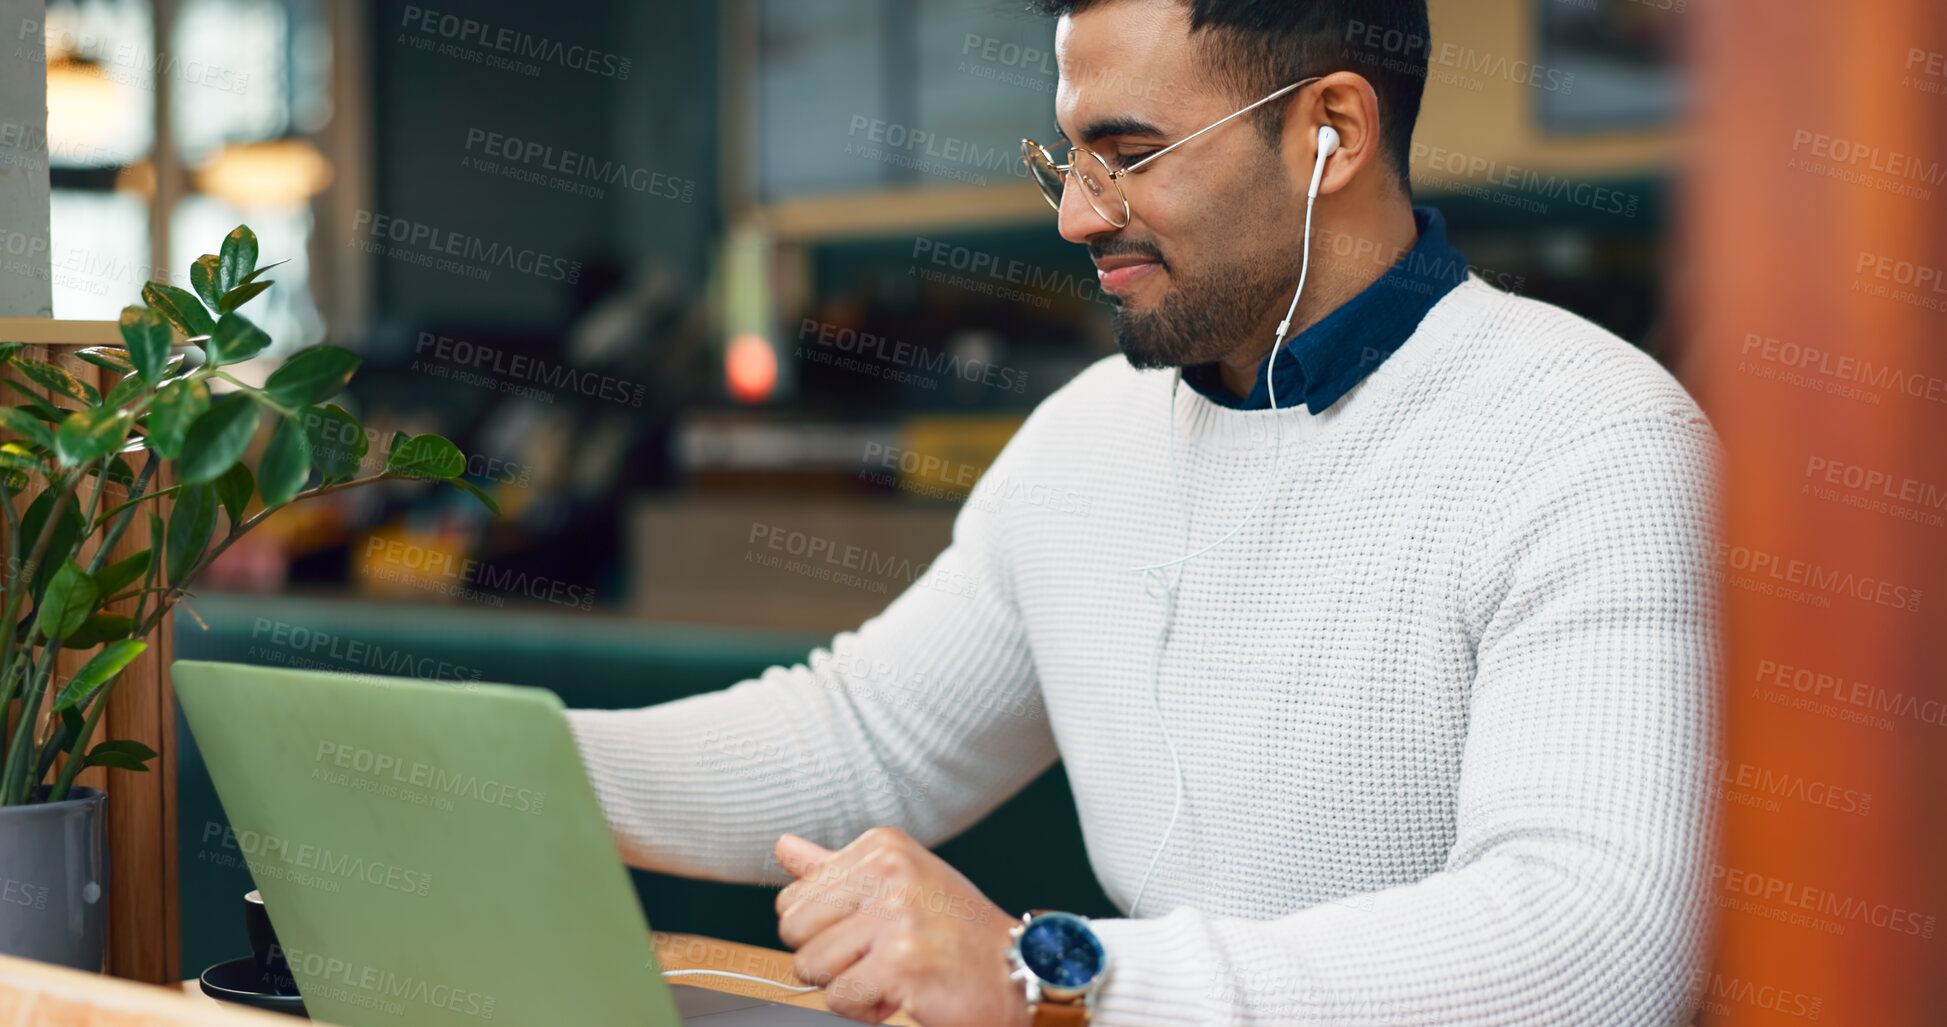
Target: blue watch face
point(1062, 951)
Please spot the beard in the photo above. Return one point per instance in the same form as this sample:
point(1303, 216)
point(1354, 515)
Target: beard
point(1205, 315)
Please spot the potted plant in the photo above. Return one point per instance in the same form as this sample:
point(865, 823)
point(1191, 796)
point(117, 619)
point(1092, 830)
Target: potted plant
point(71, 482)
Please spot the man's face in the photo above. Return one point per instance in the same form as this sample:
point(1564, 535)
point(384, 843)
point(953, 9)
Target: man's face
point(1209, 246)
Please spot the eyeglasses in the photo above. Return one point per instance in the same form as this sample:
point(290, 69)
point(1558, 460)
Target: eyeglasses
point(1099, 181)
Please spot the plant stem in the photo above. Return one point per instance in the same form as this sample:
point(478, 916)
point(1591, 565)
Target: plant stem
point(114, 534)
point(14, 788)
point(29, 700)
point(77, 747)
point(170, 595)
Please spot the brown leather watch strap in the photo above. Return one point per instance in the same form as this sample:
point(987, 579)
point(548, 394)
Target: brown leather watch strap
point(1049, 1014)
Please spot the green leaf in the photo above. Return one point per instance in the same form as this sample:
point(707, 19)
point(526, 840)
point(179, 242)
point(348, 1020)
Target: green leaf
point(399, 439)
point(98, 672)
point(234, 489)
point(58, 380)
point(20, 421)
point(17, 457)
point(239, 255)
point(184, 311)
point(240, 295)
point(101, 626)
point(69, 598)
point(119, 575)
point(113, 760)
point(252, 276)
point(234, 339)
point(8, 349)
point(180, 404)
point(426, 456)
point(90, 434)
point(286, 463)
point(38, 404)
point(147, 336)
point(202, 277)
point(190, 525)
point(124, 391)
point(108, 358)
point(476, 492)
point(217, 439)
point(67, 531)
point(312, 375)
point(338, 444)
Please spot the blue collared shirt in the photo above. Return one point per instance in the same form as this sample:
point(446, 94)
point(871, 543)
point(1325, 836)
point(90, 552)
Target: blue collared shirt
point(1322, 363)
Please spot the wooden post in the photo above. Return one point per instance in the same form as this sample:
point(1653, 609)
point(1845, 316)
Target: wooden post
point(143, 918)
point(1814, 265)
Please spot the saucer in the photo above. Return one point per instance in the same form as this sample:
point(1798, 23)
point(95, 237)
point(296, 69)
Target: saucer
point(237, 980)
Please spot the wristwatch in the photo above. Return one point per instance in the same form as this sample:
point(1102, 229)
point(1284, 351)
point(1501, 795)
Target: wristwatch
point(1062, 964)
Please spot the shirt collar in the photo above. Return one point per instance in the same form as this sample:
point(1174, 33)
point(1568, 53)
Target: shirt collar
point(1322, 363)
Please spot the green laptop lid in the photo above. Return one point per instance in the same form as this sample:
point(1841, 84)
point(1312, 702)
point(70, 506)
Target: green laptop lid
point(428, 853)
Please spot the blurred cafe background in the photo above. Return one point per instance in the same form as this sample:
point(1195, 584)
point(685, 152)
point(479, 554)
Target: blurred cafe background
point(705, 289)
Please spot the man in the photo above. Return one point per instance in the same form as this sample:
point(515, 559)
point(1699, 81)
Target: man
point(1394, 704)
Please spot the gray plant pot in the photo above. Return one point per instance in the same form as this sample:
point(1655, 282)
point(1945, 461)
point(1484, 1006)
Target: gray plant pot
point(54, 880)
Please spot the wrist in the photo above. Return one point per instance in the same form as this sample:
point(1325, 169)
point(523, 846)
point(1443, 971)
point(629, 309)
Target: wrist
point(1060, 965)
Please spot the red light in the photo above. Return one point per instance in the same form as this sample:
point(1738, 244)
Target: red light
point(749, 368)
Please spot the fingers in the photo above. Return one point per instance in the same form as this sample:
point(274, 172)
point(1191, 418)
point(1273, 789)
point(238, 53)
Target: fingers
point(800, 856)
point(832, 952)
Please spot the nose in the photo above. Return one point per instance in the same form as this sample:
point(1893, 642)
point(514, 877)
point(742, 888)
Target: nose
point(1077, 221)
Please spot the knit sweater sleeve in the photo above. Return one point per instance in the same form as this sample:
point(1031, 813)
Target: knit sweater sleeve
point(926, 718)
point(1575, 890)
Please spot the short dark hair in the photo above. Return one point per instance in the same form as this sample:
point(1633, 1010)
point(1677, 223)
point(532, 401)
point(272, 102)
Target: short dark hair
point(1260, 45)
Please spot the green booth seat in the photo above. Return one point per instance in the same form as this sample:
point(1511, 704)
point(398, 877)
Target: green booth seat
point(588, 660)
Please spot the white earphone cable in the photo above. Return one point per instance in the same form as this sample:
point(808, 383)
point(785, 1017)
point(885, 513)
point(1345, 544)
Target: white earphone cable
point(1168, 586)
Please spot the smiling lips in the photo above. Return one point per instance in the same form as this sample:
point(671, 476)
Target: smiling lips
point(1118, 273)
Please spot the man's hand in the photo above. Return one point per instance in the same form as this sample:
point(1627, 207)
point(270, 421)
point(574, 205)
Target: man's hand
point(884, 925)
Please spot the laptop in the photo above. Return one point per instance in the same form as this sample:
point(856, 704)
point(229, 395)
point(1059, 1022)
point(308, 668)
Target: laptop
point(433, 854)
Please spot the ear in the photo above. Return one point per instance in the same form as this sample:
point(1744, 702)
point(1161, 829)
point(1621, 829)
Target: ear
point(1347, 102)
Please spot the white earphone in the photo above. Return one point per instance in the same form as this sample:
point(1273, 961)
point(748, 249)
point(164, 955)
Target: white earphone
point(1328, 143)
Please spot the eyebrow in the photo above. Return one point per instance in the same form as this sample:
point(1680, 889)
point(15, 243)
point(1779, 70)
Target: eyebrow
point(1119, 125)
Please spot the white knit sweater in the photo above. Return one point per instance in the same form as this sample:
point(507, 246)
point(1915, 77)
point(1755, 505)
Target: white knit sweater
point(1445, 705)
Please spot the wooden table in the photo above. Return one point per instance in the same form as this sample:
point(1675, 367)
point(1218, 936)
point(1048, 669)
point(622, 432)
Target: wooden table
point(696, 952)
